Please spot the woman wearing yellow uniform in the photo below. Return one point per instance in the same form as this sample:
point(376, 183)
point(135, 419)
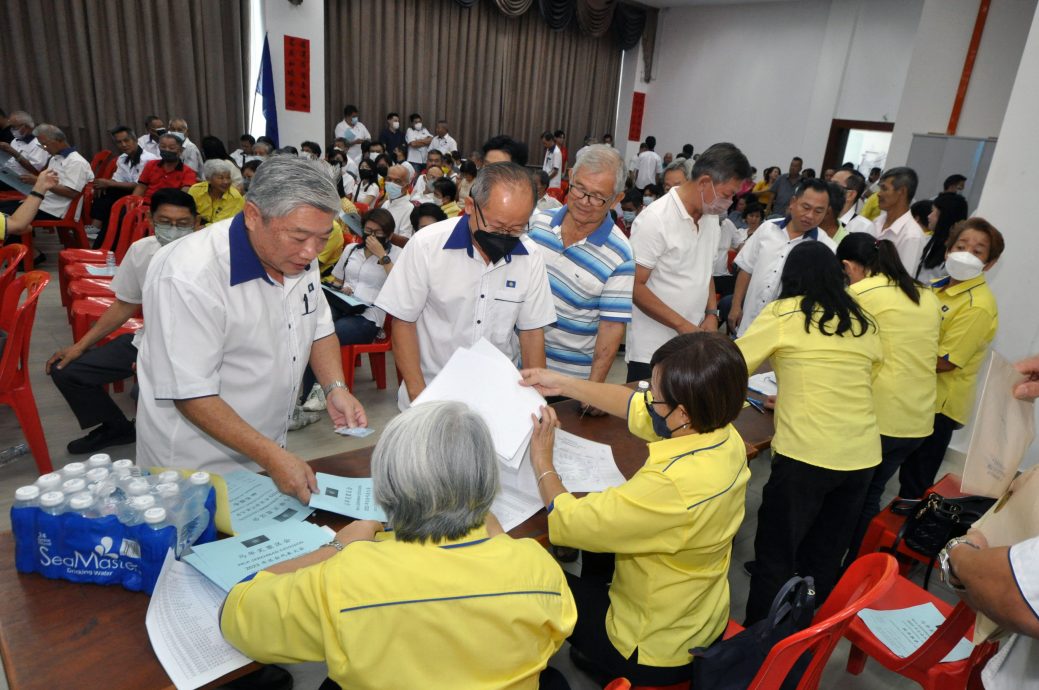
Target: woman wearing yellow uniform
point(671, 525)
point(908, 317)
point(825, 352)
point(216, 199)
point(969, 322)
point(450, 602)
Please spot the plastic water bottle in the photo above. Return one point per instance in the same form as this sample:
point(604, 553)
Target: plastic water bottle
point(52, 502)
point(27, 496)
point(49, 482)
point(198, 487)
point(133, 513)
point(108, 501)
point(73, 470)
point(125, 463)
point(169, 494)
point(73, 486)
point(83, 504)
point(99, 460)
point(97, 475)
point(110, 262)
point(155, 518)
point(169, 477)
point(137, 486)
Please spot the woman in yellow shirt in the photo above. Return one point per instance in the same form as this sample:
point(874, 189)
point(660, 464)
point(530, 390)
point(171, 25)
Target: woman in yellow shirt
point(763, 189)
point(671, 525)
point(825, 351)
point(216, 199)
point(908, 317)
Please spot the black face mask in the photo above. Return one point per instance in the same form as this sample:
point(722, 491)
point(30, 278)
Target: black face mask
point(366, 173)
point(169, 156)
point(384, 241)
point(383, 170)
point(495, 246)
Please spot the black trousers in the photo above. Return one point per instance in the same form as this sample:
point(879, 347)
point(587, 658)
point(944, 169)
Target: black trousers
point(918, 471)
point(894, 452)
point(805, 524)
point(81, 381)
point(639, 371)
point(590, 639)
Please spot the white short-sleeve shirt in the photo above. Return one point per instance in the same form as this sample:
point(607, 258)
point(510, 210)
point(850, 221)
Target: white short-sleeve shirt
point(853, 222)
point(128, 283)
point(729, 237)
point(401, 208)
point(442, 284)
point(444, 144)
point(647, 166)
point(417, 155)
point(1016, 665)
point(763, 256)
point(32, 150)
point(905, 234)
point(192, 157)
point(148, 144)
point(358, 133)
point(366, 276)
point(219, 325)
point(553, 161)
point(125, 171)
point(73, 172)
point(680, 253)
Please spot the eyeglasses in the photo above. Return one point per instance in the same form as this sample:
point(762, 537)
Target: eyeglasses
point(646, 395)
point(593, 199)
point(498, 231)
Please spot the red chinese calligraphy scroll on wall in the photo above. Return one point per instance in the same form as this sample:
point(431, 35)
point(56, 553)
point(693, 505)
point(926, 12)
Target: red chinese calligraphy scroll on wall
point(638, 109)
point(297, 74)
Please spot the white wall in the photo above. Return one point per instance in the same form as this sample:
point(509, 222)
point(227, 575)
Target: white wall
point(303, 21)
point(934, 73)
point(771, 77)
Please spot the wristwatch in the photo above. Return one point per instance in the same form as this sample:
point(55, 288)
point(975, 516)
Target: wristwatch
point(384, 260)
point(36, 194)
point(335, 544)
point(712, 312)
point(945, 563)
point(332, 386)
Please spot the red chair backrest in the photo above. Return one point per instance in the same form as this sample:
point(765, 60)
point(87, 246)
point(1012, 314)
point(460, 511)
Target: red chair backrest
point(99, 159)
point(10, 257)
point(88, 203)
point(865, 581)
point(117, 218)
point(108, 169)
point(16, 318)
point(361, 208)
point(136, 224)
point(557, 194)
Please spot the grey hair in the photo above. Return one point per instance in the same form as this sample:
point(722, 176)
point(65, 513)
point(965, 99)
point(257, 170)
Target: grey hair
point(723, 162)
point(599, 158)
point(501, 174)
point(24, 116)
point(49, 131)
point(284, 183)
point(215, 166)
point(435, 472)
point(266, 147)
point(681, 164)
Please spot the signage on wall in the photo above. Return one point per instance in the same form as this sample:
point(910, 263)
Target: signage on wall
point(297, 74)
point(638, 109)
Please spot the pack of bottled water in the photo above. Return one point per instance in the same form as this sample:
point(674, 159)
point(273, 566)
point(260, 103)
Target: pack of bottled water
point(110, 521)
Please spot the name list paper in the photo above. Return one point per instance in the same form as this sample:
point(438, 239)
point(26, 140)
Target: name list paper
point(184, 627)
point(584, 465)
point(349, 496)
point(904, 631)
point(256, 502)
point(228, 561)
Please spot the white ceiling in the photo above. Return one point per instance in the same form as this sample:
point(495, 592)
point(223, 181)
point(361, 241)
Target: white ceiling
point(690, 3)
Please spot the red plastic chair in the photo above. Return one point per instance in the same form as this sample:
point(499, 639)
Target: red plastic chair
point(16, 318)
point(376, 357)
point(361, 208)
point(10, 257)
point(99, 160)
point(557, 194)
point(135, 226)
point(70, 229)
point(925, 665)
point(89, 287)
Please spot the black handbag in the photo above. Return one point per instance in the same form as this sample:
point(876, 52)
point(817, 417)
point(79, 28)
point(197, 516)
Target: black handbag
point(732, 664)
point(934, 520)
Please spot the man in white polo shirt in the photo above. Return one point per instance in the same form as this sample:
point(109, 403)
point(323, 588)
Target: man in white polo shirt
point(553, 164)
point(896, 222)
point(853, 184)
point(27, 155)
point(471, 277)
point(648, 165)
point(675, 240)
point(763, 256)
point(590, 268)
point(235, 313)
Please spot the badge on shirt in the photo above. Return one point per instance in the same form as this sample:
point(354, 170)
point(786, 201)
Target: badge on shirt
point(510, 283)
point(310, 287)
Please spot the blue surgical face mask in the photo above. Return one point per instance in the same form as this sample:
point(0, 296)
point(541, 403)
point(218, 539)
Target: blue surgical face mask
point(660, 427)
point(629, 217)
point(394, 190)
point(353, 120)
point(647, 200)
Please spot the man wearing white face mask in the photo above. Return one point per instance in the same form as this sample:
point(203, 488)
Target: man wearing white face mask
point(418, 139)
point(675, 240)
point(81, 371)
point(353, 131)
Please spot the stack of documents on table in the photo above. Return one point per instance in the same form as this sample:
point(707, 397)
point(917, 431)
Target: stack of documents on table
point(763, 384)
point(904, 631)
point(256, 502)
point(227, 562)
point(349, 496)
point(184, 627)
point(486, 380)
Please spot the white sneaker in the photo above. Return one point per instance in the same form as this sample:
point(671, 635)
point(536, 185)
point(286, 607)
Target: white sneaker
point(301, 418)
point(315, 402)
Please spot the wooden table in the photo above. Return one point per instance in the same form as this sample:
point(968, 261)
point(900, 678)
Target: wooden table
point(58, 634)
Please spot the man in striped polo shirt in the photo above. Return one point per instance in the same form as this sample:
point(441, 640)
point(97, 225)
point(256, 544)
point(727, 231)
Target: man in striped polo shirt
point(590, 268)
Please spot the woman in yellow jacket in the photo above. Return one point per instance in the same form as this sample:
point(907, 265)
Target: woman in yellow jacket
point(825, 351)
point(671, 525)
point(908, 316)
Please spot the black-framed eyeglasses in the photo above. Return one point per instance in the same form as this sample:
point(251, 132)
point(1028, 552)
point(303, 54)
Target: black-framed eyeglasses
point(595, 199)
point(646, 395)
point(510, 232)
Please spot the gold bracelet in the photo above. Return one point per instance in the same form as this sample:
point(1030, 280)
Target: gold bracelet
point(546, 473)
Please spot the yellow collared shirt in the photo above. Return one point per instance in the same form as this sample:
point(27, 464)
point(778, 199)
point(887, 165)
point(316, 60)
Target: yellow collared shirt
point(671, 526)
point(213, 210)
point(475, 613)
point(969, 322)
point(905, 388)
point(824, 412)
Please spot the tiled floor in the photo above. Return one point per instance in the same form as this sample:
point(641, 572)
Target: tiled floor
point(52, 331)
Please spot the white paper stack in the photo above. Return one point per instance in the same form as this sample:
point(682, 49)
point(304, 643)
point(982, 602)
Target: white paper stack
point(488, 382)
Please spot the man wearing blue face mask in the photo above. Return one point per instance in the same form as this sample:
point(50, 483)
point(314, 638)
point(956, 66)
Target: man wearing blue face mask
point(472, 277)
point(398, 203)
point(81, 371)
point(353, 131)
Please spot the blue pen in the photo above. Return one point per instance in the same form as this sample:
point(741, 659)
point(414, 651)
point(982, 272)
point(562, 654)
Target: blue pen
point(756, 404)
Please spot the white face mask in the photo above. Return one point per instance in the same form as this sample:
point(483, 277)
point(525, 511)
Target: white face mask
point(168, 233)
point(307, 155)
point(417, 126)
point(394, 126)
point(963, 265)
point(718, 205)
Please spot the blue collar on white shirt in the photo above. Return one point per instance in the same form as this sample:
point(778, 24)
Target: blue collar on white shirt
point(812, 234)
point(601, 234)
point(245, 263)
point(461, 238)
point(66, 151)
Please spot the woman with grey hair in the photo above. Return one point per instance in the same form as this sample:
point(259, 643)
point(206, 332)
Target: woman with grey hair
point(445, 599)
point(216, 198)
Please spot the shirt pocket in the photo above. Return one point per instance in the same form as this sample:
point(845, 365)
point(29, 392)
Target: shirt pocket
point(503, 310)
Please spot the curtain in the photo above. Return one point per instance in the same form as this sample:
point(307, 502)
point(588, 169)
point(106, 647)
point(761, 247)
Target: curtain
point(87, 65)
point(484, 72)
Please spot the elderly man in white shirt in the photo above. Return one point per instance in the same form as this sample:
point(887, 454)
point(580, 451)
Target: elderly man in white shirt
point(73, 173)
point(763, 256)
point(443, 141)
point(675, 240)
point(853, 184)
point(191, 156)
point(235, 314)
point(471, 277)
point(353, 131)
point(398, 203)
point(27, 155)
point(154, 127)
point(896, 222)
